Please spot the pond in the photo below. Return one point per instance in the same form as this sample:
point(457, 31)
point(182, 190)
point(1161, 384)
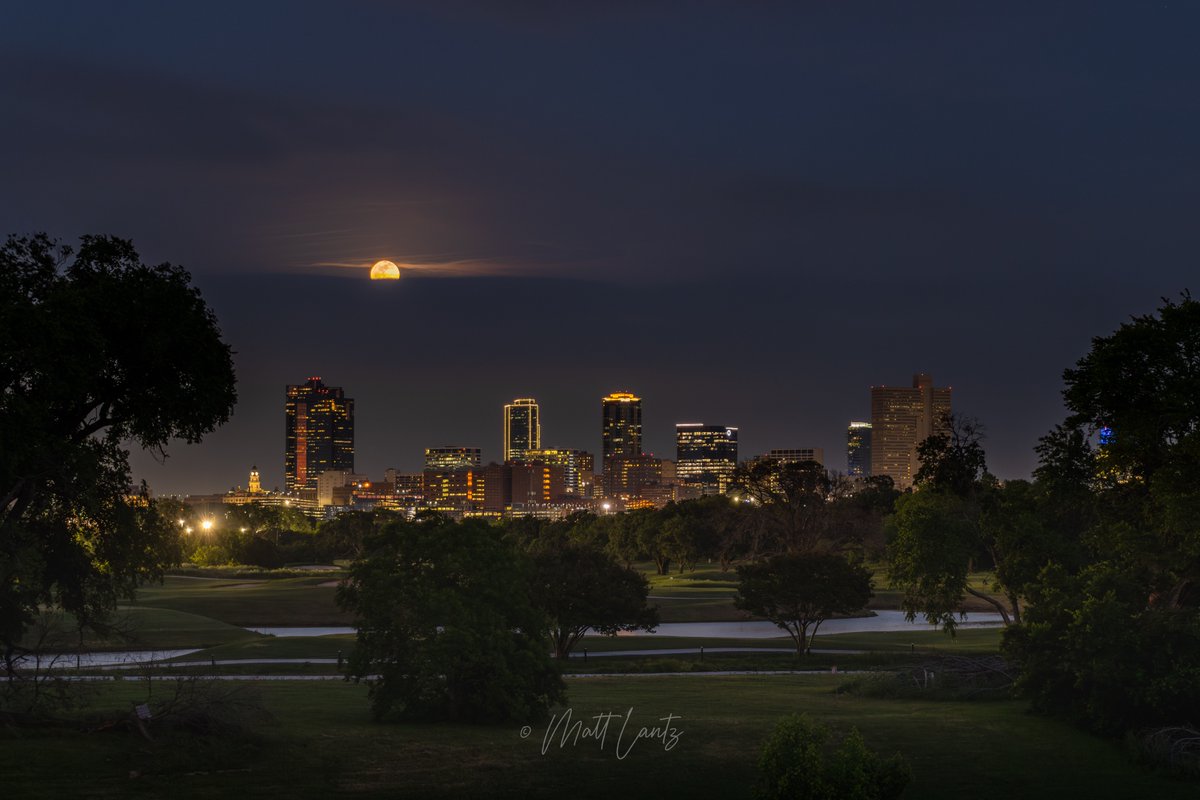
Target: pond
point(752, 629)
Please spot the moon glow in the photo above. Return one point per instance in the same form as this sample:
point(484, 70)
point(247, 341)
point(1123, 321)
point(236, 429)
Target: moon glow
point(385, 271)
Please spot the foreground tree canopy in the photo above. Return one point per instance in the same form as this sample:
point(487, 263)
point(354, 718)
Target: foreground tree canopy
point(96, 349)
point(445, 620)
point(1112, 633)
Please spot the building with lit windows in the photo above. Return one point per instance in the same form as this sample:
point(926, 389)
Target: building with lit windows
point(452, 459)
point(621, 436)
point(319, 433)
point(794, 455)
point(858, 450)
point(576, 466)
point(902, 418)
point(522, 428)
point(705, 456)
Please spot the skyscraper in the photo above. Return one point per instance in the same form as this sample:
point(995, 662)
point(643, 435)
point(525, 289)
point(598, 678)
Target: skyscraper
point(858, 450)
point(900, 420)
point(319, 433)
point(622, 439)
point(622, 431)
point(522, 428)
point(705, 456)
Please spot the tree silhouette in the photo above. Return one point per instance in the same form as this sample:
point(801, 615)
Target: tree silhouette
point(97, 350)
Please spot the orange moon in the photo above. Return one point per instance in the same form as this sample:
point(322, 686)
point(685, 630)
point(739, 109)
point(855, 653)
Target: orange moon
point(385, 271)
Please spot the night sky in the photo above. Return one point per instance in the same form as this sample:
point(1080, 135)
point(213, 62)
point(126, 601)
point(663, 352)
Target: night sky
point(746, 213)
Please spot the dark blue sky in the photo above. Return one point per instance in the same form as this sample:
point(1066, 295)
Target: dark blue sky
point(746, 212)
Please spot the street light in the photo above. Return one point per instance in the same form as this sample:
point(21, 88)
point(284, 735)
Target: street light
point(207, 525)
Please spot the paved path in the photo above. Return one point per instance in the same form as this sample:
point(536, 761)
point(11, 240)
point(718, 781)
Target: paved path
point(714, 674)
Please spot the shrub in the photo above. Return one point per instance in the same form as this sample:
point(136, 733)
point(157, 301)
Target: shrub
point(803, 760)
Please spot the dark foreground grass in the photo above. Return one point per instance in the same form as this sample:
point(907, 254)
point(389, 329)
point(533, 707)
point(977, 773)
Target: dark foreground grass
point(322, 744)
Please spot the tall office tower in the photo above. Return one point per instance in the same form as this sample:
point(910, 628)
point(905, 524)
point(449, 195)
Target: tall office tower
point(795, 455)
point(452, 459)
point(320, 433)
point(705, 456)
point(900, 420)
point(576, 465)
point(622, 439)
point(622, 431)
point(858, 450)
point(522, 428)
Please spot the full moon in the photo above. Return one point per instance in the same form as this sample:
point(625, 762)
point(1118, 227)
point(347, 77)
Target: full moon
point(385, 271)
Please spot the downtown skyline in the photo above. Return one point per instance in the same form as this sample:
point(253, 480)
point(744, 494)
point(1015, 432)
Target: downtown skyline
point(835, 458)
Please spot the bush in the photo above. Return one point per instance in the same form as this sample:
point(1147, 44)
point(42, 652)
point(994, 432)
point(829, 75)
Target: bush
point(802, 760)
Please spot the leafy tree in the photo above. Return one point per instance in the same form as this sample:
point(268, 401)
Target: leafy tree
point(622, 540)
point(803, 760)
point(96, 349)
point(957, 519)
point(862, 513)
point(1112, 633)
point(444, 617)
point(789, 507)
point(346, 535)
point(580, 588)
point(800, 591)
point(952, 459)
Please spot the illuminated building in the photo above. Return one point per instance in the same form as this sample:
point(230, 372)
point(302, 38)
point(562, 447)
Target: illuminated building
point(254, 492)
point(794, 455)
point(522, 428)
point(576, 466)
point(455, 489)
point(408, 487)
point(705, 456)
point(450, 459)
point(336, 487)
point(621, 436)
point(622, 430)
point(320, 433)
point(858, 450)
point(634, 477)
point(902, 418)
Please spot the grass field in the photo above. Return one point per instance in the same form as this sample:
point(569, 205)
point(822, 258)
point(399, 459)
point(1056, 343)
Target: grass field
point(703, 595)
point(323, 744)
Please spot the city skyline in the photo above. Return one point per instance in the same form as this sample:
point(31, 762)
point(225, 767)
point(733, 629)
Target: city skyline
point(893, 184)
point(615, 417)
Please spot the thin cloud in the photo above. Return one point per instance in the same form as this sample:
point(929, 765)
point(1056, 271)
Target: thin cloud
point(457, 268)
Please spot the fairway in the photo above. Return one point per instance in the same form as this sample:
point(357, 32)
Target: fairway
point(322, 744)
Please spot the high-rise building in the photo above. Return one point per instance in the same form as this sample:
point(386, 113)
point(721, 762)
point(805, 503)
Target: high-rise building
point(705, 455)
point(452, 459)
point(794, 455)
point(522, 428)
point(622, 441)
point(576, 465)
point(858, 450)
point(622, 427)
point(319, 433)
point(902, 418)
